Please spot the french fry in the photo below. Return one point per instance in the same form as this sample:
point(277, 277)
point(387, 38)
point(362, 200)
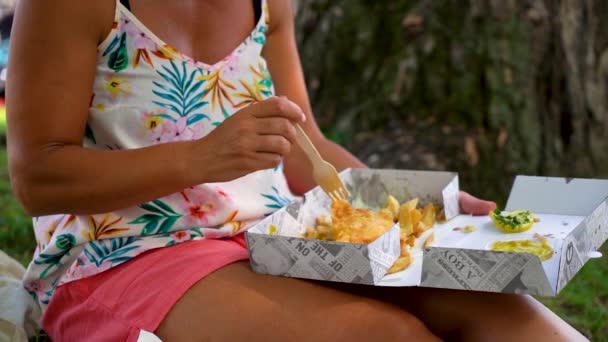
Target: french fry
point(409, 205)
point(387, 213)
point(405, 224)
point(402, 263)
point(409, 216)
point(441, 216)
point(429, 215)
point(429, 240)
point(411, 240)
point(324, 232)
point(323, 220)
point(419, 229)
point(348, 224)
point(393, 206)
point(311, 233)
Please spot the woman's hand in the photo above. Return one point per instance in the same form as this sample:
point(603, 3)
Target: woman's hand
point(473, 205)
point(255, 138)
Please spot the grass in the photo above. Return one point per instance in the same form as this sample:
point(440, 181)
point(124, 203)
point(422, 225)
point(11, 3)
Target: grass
point(16, 235)
point(583, 303)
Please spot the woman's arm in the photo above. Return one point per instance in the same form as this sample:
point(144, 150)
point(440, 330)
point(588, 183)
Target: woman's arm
point(51, 72)
point(284, 66)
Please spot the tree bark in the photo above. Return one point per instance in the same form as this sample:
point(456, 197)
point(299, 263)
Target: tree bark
point(490, 88)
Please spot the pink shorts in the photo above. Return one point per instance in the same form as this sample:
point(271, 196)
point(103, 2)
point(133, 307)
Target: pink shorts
point(116, 304)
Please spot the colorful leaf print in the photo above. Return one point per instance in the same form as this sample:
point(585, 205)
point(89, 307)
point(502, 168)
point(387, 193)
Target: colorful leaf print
point(218, 88)
point(111, 46)
point(259, 36)
point(278, 201)
point(64, 242)
point(182, 93)
point(197, 208)
point(52, 227)
point(46, 295)
point(165, 52)
point(236, 226)
point(196, 232)
point(110, 250)
point(161, 220)
point(142, 54)
point(34, 288)
point(119, 58)
point(259, 89)
point(116, 86)
point(178, 237)
point(71, 219)
point(102, 229)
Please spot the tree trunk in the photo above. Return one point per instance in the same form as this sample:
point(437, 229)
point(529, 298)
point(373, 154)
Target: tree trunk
point(489, 88)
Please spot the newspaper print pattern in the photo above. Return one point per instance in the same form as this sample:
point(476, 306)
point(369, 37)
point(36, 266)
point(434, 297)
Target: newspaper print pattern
point(323, 260)
point(587, 237)
point(483, 271)
point(285, 253)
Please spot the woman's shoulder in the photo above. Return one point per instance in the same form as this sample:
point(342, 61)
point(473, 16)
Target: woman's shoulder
point(279, 13)
point(88, 17)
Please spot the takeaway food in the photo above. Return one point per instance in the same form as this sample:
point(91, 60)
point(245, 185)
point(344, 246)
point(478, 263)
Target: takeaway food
point(360, 225)
point(513, 222)
point(537, 246)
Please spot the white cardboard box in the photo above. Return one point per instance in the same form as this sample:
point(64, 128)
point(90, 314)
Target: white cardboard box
point(573, 217)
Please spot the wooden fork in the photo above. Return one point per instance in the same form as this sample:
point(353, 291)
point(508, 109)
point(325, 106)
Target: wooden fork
point(323, 172)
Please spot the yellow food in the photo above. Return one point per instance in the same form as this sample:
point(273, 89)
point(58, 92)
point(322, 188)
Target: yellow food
point(272, 229)
point(402, 263)
point(429, 240)
point(393, 206)
point(538, 246)
point(348, 224)
point(358, 225)
point(469, 229)
point(513, 222)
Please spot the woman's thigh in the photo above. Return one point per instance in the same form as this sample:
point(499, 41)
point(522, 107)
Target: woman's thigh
point(235, 304)
point(480, 316)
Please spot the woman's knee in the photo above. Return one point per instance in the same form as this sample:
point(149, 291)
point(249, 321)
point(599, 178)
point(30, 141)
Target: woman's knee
point(384, 322)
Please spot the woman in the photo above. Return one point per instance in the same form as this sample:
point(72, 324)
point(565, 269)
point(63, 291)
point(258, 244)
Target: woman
point(181, 142)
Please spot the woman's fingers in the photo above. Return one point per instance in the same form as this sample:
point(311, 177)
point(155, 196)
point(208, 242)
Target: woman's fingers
point(273, 144)
point(277, 106)
point(472, 205)
point(277, 126)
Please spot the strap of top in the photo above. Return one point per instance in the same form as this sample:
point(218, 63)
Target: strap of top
point(126, 4)
point(257, 8)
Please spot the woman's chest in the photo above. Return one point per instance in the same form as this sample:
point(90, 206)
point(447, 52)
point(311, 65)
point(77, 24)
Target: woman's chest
point(205, 30)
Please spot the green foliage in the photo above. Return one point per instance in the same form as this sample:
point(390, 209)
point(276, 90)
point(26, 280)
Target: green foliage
point(16, 234)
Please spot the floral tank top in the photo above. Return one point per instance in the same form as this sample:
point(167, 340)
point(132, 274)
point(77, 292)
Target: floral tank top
point(145, 93)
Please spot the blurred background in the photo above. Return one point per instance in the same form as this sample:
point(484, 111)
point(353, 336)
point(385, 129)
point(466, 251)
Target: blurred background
point(487, 88)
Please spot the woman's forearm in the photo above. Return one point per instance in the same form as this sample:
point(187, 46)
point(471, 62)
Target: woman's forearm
point(77, 180)
point(338, 156)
